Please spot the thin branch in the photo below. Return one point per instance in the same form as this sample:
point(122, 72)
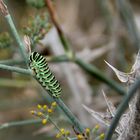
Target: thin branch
point(17, 37)
point(93, 71)
point(15, 69)
point(69, 114)
point(60, 58)
point(59, 30)
point(12, 62)
point(19, 123)
point(122, 107)
point(87, 67)
point(4, 10)
point(90, 69)
point(65, 137)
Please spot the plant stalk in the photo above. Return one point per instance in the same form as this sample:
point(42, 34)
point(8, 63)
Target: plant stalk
point(93, 71)
point(19, 123)
point(121, 109)
point(17, 37)
point(15, 69)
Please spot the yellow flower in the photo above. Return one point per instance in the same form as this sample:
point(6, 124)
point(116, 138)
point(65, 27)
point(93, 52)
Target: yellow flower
point(102, 136)
point(87, 131)
point(58, 135)
point(39, 106)
point(97, 126)
point(32, 112)
point(62, 130)
point(39, 113)
point(67, 133)
point(44, 121)
point(50, 110)
point(45, 107)
point(54, 104)
point(80, 137)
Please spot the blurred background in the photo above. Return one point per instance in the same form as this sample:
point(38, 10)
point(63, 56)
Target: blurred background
point(96, 32)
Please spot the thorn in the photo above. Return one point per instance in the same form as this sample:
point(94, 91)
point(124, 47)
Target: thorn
point(110, 105)
point(122, 76)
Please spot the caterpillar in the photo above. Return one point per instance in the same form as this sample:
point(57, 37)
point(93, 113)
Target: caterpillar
point(44, 75)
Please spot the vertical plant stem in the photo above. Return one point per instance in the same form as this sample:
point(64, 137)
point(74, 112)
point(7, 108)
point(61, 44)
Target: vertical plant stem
point(17, 37)
point(76, 123)
point(122, 107)
point(5, 12)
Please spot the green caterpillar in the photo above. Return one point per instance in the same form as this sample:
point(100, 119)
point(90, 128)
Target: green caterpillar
point(43, 74)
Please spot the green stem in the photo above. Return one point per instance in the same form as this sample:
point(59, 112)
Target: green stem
point(15, 69)
point(87, 67)
point(54, 124)
point(70, 115)
point(66, 111)
point(92, 70)
point(66, 45)
point(17, 37)
point(49, 118)
point(19, 123)
point(122, 107)
point(59, 58)
point(11, 62)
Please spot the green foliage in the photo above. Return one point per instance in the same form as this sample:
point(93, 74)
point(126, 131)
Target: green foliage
point(36, 3)
point(36, 28)
point(5, 40)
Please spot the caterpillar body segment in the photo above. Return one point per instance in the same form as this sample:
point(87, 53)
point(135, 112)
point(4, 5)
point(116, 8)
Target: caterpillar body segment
point(43, 74)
